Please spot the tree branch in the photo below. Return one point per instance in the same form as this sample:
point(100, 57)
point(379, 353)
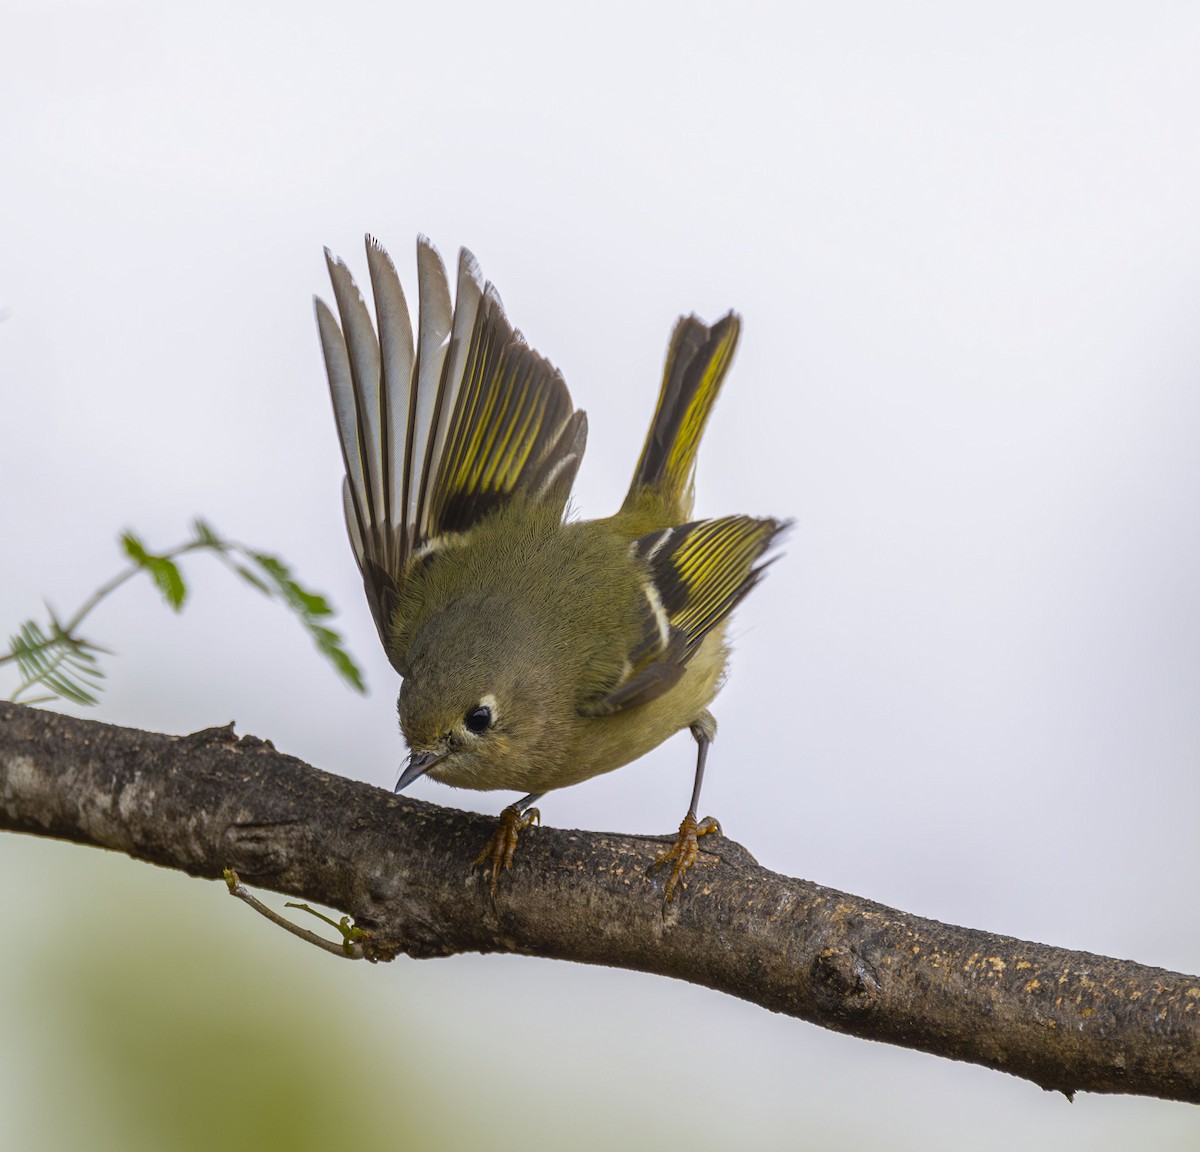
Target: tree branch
point(401, 868)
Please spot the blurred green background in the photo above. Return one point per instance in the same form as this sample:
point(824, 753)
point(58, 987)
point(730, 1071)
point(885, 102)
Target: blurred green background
point(965, 242)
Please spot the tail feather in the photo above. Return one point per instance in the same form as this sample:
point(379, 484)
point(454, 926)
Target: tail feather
point(697, 359)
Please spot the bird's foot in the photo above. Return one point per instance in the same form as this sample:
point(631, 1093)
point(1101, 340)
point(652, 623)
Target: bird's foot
point(682, 854)
point(498, 853)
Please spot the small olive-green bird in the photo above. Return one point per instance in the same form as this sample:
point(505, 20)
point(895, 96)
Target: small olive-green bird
point(536, 651)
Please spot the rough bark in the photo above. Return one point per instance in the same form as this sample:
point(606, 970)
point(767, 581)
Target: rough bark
point(1069, 1021)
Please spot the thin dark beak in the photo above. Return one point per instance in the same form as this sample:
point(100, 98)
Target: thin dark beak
point(418, 764)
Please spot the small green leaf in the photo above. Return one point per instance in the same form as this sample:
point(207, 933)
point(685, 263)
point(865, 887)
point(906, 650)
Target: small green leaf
point(302, 601)
point(251, 578)
point(134, 549)
point(207, 537)
point(162, 570)
point(272, 565)
point(330, 644)
point(169, 579)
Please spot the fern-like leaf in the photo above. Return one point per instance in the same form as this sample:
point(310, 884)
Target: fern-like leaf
point(63, 663)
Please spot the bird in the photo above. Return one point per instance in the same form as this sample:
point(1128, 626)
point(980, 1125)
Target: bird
point(536, 650)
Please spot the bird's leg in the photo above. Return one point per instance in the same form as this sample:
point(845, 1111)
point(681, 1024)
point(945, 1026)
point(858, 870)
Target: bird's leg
point(682, 854)
point(499, 850)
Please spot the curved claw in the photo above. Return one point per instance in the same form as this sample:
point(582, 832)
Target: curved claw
point(682, 854)
point(498, 852)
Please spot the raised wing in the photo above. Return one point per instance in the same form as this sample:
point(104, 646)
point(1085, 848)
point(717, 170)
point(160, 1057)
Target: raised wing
point(438, 433)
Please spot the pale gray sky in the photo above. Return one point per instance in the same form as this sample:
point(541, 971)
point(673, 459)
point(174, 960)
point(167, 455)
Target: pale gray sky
point(965, 242)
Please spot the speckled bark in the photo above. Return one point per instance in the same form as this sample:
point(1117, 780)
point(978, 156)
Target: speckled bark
point(1066, 1020)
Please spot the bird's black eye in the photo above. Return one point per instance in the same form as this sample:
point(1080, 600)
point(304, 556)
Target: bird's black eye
point(479, 719)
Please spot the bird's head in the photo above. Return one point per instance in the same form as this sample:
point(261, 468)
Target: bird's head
point(478, 709)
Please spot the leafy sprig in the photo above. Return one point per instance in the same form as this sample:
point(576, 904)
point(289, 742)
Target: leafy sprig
point(64, 664)
point(58, 660)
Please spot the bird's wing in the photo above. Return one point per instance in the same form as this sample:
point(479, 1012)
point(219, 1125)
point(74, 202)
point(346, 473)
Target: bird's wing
point(438, 433)
point(694, 575)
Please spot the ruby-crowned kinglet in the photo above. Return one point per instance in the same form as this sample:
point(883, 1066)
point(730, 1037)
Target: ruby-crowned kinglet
point(536, 651)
